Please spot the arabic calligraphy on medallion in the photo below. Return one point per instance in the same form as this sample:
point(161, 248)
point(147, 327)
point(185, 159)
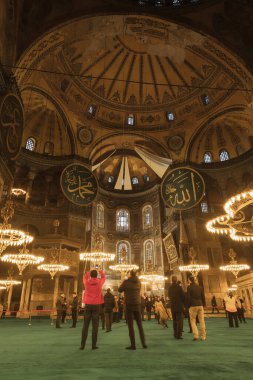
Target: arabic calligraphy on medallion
point(79, 185)
point(182, 188)
point(11, 125)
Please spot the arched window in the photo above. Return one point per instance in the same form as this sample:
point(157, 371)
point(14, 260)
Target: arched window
point(208, 157)
point(122, 220)
point(170, 116)
point(49, 148)
point(148, 254)
point(111, 179)
point(224, 156)
point(123, 250)
point(100, 215)
point(135, 181)
point(130, 119)
point(146, 178)
point(147, 216)
point(204, 207)
point(30, 144)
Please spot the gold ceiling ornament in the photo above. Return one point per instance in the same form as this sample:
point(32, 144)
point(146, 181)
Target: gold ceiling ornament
point(233, 266)
point(193, 268)
point(9, 236)
point(97, 256)
point(22, 259)
point(7, 283)
point(17, 192)
point(237, 222)
point(54, 266)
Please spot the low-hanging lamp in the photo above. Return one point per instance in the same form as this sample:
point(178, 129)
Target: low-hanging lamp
point(22, 259)
point(234, 267)
point(193, 268)
point(8, 235)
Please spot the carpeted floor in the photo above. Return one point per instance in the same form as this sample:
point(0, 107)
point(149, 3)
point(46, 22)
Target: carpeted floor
point(43, 352)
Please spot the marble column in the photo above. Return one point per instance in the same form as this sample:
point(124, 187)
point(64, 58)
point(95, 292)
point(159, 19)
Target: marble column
point(27, 295)
point(56, 291)
point(8, 312)
point(66, 287)
point(22, 299)
point(75, 285)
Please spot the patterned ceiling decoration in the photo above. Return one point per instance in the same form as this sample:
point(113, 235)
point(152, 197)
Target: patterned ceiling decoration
point(231, 130)
point(99, 70)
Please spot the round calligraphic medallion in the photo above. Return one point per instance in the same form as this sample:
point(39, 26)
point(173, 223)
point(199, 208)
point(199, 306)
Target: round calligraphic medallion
point(182, 188)
point(11, 125)
point(79, 185)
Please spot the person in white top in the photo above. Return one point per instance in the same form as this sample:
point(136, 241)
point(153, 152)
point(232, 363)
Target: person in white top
point(230, 302)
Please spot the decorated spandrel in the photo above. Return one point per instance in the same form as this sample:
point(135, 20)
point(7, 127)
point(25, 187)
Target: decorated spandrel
point(79, 185)
point(182, 188)
point(11, 125)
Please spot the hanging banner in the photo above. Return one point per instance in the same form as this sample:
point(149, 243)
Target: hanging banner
point(171, 251)
point(79, 185)
point(182, 188)
point(11, 125)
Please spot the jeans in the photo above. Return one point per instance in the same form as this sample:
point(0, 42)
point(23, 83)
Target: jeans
point(131, 314)
point(91, 313)
point(197, 311)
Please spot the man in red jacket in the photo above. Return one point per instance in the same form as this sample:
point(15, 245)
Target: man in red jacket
point(93, 299)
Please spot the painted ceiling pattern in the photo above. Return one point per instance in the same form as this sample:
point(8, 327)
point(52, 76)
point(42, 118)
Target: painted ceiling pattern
point(138, 65)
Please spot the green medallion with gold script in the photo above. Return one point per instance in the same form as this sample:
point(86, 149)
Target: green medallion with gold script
point(79, 185)
point(182, 188)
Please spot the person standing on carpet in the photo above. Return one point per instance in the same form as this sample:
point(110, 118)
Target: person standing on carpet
point(109, 304)
point(64, 310)
point(196, 299)
point(176, 295)
point(58, 305)
point(214, 304)
point(93, 299)
point(162, 314)
point(230, 302)
point(74, 308)
point(240, 310)
point(132, 288)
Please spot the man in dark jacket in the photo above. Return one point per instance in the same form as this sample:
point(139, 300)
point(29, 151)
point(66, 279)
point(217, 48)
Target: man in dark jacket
point(196, 301)
point(109, 303)
point(74, 307)
point(176, 295)
point(132, 288)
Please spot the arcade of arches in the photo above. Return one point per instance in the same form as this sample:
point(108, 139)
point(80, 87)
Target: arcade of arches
point(116, 87)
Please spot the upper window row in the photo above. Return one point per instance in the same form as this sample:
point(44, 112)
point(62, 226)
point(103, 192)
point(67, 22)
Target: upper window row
point(31, 145)
point(123, 218)
point(224, 156)
point(134, 179)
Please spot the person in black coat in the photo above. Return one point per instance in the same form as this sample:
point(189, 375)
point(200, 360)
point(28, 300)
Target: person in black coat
point(74, 308)
point(59, 303)
point(132, 288)
point(177, 298)
point(214, 305)
point(109, 304)
point(149, 305)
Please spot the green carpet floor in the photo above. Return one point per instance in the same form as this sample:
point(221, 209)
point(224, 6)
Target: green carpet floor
point(43, 352)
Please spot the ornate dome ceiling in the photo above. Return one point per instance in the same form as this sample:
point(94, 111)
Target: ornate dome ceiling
point(91, 74)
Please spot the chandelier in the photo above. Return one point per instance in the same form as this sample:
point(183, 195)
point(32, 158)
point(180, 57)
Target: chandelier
point(22, 259)
point(152, 277)
point(54, 266)
point(7, 283)
point(18, 192)
point(237, 222)
point(8, 235)
point(124, 267)
point(193, 268)
point(234, 267)
point(2, 287)
point(97, 256)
